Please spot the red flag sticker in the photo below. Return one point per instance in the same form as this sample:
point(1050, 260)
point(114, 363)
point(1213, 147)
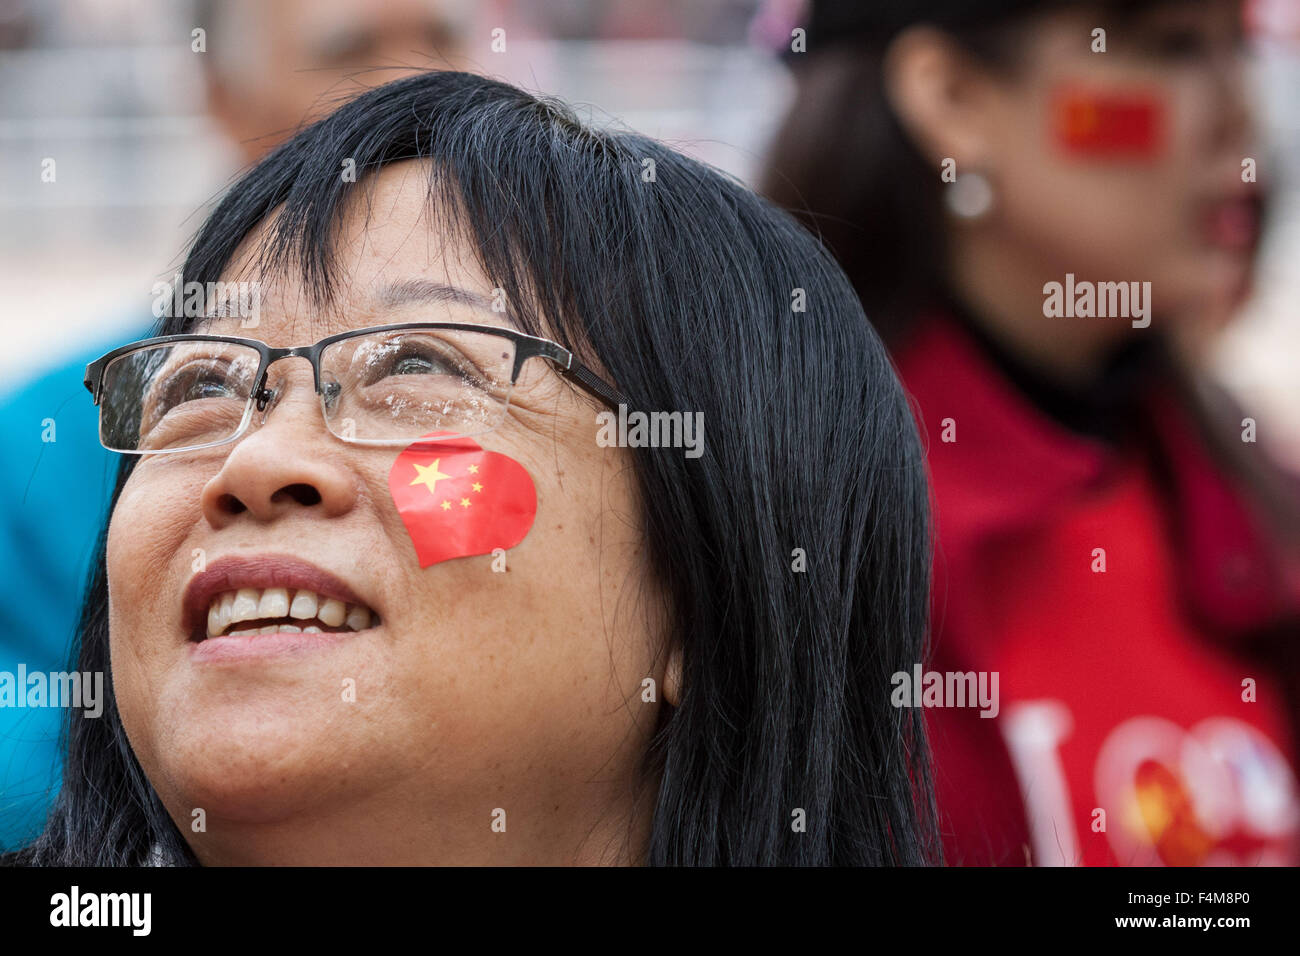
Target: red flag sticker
point(1113, 125)
point(458, 500)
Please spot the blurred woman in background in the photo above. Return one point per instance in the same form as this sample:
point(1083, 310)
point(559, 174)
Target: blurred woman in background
point(1046, 207)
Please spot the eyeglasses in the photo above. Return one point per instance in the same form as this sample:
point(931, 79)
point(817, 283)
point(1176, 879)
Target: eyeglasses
point(386, 385)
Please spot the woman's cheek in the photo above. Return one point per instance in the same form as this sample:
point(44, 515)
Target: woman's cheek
point(144, 570)
point(146, 555)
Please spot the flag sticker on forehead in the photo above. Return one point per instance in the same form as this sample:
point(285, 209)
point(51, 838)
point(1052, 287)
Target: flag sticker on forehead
point(458, 500)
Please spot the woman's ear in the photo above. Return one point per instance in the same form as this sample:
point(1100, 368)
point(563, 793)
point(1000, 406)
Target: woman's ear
point(940, 96)
point(673, 677)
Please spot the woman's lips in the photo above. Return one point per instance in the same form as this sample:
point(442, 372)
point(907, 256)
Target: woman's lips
point(271, 599)
point(252, 647)
point(1232, 224)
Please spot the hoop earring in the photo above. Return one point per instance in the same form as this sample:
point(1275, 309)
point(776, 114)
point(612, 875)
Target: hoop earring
point(970, 196)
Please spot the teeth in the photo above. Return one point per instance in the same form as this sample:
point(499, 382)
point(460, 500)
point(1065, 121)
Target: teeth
point(304, 605)
point(358, 617)
point(245, 606)
point(333, 612)
point(274, 603)
point(251, 604)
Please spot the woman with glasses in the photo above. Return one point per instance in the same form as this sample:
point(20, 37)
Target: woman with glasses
point(378, 588)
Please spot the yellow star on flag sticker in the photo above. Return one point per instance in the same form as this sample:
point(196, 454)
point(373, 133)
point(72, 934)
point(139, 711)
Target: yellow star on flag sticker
point(446, 506)
point(464, 502)
point(473, 469)
point(477, 486)
point(428, 475)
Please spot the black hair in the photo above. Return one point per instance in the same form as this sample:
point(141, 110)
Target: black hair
point(692, 293)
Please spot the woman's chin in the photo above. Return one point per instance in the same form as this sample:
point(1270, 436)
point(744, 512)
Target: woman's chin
point(254, 777)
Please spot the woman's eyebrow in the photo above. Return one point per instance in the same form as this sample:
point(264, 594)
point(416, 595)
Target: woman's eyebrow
point(416, 291)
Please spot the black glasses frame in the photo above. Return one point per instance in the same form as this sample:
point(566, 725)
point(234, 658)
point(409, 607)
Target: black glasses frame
point(526, 347)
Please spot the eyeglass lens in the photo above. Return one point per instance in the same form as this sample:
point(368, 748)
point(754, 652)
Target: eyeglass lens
point(388, 385)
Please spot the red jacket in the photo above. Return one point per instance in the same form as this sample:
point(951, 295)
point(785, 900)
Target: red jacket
point(1138, 619)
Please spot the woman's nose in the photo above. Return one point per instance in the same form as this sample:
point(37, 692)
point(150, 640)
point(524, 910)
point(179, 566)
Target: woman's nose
point(287, 463)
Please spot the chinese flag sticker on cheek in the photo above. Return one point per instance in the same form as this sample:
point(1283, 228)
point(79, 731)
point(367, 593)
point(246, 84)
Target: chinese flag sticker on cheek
point(1112, 124)
point(458, 500)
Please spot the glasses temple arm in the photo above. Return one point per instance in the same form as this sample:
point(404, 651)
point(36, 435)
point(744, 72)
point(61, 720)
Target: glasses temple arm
point(593, 384)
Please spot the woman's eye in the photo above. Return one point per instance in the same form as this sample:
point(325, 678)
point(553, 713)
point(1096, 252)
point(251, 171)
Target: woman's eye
point(418, 365)
point(206, 388)
point(195, 384)
point(1179, 45)
point(418, 360)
